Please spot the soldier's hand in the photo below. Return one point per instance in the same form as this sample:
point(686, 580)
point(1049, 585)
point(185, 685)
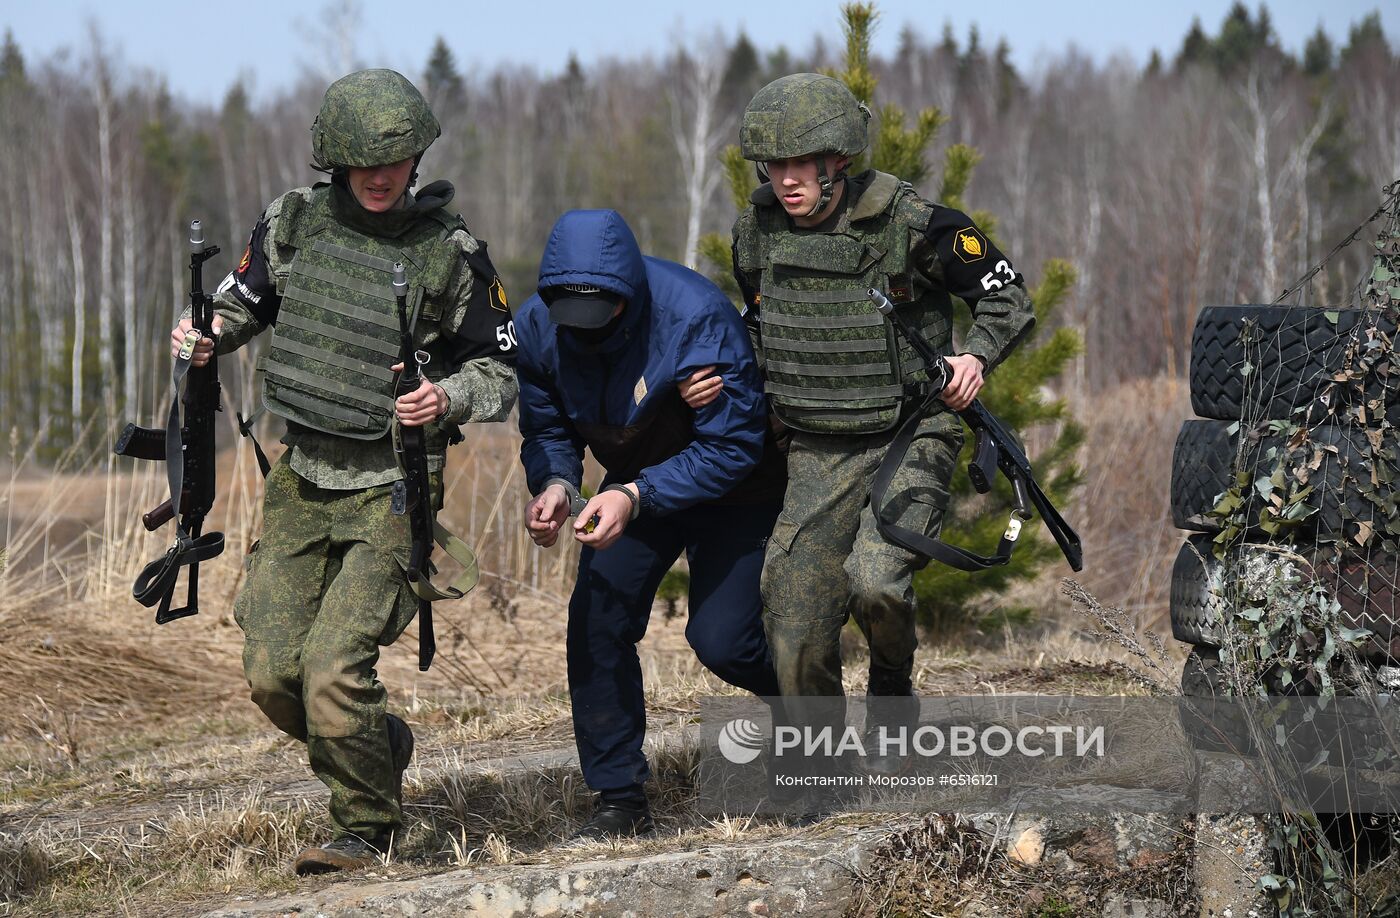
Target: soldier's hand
point(613, 510)
point(423, 405)
point(545, 514)
point(965, 382)
point(782, 434)
point(203, 350)
point(700, 388)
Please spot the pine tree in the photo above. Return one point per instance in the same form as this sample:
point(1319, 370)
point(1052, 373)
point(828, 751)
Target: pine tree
point(1015, 392)
point(949, 45)
point(743, 74)
point(1318, 54)
point(441, 79)
point(1009, 84)
point(1154, 65)
point(11, 64)
point(1366, 36)
point(1195, 47)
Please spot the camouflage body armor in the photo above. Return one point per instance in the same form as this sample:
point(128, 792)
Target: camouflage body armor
point(337, 331)
point(833, 364)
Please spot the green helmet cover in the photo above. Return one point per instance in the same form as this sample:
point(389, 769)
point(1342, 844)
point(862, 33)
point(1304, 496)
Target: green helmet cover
point(801, 114)
point(371, 118)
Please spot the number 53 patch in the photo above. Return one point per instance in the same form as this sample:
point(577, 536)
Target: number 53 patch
point(972, 266)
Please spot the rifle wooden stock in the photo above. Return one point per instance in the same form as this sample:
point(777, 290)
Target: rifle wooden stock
point(164, 513)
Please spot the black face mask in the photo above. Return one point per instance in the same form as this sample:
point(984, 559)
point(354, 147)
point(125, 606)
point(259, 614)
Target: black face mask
point(592, 337)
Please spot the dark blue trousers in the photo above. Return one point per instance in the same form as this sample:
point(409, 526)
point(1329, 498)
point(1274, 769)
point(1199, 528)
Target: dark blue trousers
point(611, 606)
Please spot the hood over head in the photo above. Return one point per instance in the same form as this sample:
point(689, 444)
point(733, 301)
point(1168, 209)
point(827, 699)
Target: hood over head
point(594, 248)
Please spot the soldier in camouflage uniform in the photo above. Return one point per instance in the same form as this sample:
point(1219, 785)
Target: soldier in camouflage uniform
point(805, 253)
point(325, 586)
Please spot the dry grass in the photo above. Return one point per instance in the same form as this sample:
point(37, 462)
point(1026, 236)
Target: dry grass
point(133, 771)
point(1123, 512)
point(945, 863)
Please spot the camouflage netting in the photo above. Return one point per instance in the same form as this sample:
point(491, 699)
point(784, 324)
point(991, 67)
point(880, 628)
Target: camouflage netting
point(1312, 609)
point(1274, 493)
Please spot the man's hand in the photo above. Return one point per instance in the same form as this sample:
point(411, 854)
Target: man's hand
point(614, 512)
point(700, 388)
point(423, 405)
point(545, 514)
point(965, 382)
point(204, 349)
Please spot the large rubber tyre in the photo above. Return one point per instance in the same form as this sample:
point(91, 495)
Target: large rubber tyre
point(1292, 352)
point(1368, 590)
point(1206, 457)
point(1195, 608)
point(1366, 587)
point(1203, 463)
point(1209, 717)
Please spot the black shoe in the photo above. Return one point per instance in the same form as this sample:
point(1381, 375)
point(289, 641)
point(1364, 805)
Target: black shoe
point(349, 852)
point(890, 763)
point(613, 819)
point(400, 746)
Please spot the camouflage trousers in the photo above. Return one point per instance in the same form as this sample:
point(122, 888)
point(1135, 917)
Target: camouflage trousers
point(323, 594)
point(826, 559)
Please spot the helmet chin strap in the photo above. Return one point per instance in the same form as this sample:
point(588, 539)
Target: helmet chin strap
point(827, 186)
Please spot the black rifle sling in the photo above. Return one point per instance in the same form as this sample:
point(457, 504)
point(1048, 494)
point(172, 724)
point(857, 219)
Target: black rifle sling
point(245, 429)
point(917, 542)
point(156, 582)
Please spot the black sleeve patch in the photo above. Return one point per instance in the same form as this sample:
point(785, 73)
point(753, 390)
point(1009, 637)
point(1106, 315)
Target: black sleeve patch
point(251, 283)
point(972, 266)
point(487, 329)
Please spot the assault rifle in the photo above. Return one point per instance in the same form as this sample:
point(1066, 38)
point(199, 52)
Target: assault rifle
point(186, 445)
point(412, 494)
point(994, 449)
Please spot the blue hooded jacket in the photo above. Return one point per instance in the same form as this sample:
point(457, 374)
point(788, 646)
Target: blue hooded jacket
point(619, 396)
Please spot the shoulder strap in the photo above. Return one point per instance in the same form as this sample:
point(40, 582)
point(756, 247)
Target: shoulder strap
point(917, 542)
point(300, 217)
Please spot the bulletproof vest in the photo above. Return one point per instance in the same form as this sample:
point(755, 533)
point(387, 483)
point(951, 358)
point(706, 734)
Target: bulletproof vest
point(832, 363)
point(337, 331)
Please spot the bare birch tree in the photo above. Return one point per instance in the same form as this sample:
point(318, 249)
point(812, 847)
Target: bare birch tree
point(698, 131)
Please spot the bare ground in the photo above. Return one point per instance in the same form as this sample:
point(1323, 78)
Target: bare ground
point(136, 778)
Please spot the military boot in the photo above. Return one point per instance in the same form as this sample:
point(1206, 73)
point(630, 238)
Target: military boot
point(348, 852)
point(893, 716)
point(400, 747)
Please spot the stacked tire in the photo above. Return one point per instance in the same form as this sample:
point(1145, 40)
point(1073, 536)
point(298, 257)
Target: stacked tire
point(1255, 364)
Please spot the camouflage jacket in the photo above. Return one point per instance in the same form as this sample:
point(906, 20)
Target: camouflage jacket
point(475, 332)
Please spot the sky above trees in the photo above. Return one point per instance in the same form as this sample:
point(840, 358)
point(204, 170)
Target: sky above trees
point(268, 44)
point(1217, 171)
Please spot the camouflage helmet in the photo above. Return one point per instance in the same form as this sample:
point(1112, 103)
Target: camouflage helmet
point(371, 118)
point(801, 114)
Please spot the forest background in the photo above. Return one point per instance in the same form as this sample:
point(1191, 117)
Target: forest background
point(1216, 174)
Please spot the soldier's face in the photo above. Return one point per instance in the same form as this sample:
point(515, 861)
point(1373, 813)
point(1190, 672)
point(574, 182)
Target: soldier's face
point(379, 188)
point(795, 182)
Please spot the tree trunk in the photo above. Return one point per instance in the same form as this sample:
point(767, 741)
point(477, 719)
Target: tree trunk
point(75, 240)
point(107, 345)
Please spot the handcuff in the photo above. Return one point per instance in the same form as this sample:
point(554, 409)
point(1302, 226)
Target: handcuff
point(577, 501)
